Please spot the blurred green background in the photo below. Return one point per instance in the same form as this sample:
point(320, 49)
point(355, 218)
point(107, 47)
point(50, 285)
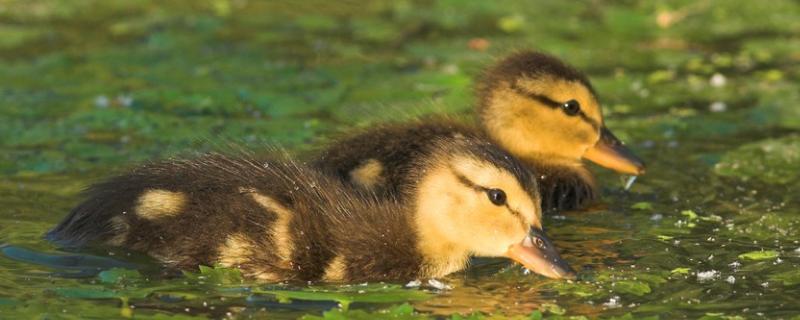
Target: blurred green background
point(705, 91)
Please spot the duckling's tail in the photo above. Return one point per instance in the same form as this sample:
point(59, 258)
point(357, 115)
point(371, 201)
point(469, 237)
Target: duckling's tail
point(92, 220)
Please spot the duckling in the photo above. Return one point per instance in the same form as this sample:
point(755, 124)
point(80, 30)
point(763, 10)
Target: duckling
point(532, 105)
point(280, 220)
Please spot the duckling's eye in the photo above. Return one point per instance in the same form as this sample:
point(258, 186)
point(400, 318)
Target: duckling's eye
point(496, 196)
point(571, 107)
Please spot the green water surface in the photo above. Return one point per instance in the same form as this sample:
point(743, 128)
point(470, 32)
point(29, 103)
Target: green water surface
point(705, 91)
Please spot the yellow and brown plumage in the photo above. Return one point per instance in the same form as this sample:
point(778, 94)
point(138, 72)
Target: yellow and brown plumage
point(534, 106)
point(279, 220)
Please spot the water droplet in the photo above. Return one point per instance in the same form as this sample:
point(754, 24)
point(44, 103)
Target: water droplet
point(717, 80)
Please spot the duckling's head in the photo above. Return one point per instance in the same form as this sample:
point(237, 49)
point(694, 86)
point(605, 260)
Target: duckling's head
point(474, 199)
point(538, 107)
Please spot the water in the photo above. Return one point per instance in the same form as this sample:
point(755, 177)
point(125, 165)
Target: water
point(706, 94)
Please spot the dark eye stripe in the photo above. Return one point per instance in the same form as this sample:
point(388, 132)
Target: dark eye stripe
point(517, 214)
point(545, 100)
point(538, 97)
point(591, 121)
point(465, 181)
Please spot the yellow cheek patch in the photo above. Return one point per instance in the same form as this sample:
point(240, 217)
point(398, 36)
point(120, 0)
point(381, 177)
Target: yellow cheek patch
point(435, 209)
point(157, 204)
point(336, 270)
point(529, 128)
point(368, 174)
point(120, 228)
point(280, 231)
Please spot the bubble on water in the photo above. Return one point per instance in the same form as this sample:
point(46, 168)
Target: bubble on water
point(707, 275)
point(413, 284)
point(672, 144)
point(718, 106)
point(613, 302)
point(656, 217)
point(125, 100)
point(735, 264)
point(717, 80)
point(730, 280)
point(101, 101)
point(450, 69)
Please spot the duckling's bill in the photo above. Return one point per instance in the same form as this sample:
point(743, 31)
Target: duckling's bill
point(611, 153)
point(537, 253)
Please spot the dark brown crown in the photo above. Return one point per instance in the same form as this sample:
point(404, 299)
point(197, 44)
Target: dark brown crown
point(525, 64)
point(482, 149)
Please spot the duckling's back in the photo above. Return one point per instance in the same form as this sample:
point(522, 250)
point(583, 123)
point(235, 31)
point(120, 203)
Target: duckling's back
point(214, 209)
point(382, 158)
point(275, 220)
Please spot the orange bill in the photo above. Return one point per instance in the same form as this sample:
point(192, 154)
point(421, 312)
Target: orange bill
point(611, 153)
point(538, 254)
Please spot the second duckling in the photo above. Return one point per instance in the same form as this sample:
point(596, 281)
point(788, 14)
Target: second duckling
point(279, 220)
point(533, 105)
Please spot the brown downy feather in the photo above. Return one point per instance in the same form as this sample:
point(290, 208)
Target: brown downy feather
point(328, 219)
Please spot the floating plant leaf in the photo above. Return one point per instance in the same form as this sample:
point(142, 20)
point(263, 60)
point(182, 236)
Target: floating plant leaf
point(642, 206)
point(217, 275)
point(403, 311)
point(345, 296)
point(552, 308)
point(691, 215)
point(680, 271)
point(759, 255)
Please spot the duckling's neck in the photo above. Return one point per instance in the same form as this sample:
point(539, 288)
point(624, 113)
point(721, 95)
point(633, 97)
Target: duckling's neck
point(440, 258)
